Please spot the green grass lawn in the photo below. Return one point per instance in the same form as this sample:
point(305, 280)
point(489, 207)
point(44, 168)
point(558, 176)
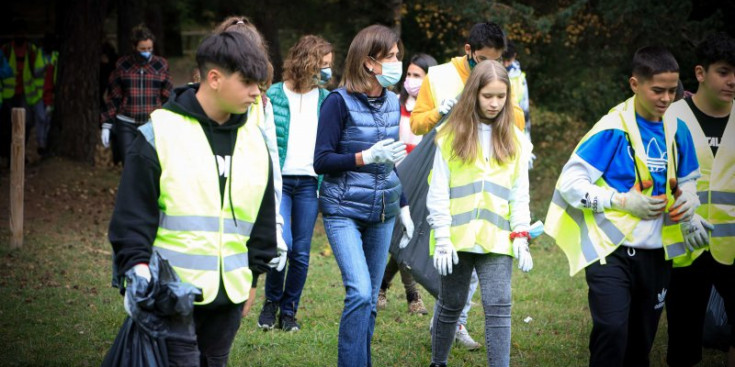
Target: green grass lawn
point(58, 309)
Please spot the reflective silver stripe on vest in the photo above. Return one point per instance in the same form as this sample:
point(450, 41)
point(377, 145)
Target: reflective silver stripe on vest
point(722, 197)
point(612, 232)
point(588, 249)
point(237, 261)
point(203, 224)
point(718, 197)
point(703, 197)
point(476, 187)
point(668, 221)
point(724, 230)
point(484, 214)
point(676, 249)
point(188, 261)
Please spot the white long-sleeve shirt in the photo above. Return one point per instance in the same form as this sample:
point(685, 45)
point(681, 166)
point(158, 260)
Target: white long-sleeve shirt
point(269, 128)
point(437, 199)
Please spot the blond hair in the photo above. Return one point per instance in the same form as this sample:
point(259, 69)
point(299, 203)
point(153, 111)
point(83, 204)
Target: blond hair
point(462, 123)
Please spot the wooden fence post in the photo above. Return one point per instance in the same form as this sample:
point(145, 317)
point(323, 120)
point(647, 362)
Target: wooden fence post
point(17, 177)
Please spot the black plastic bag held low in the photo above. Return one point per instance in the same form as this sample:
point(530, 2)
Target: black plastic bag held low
point(161, 310)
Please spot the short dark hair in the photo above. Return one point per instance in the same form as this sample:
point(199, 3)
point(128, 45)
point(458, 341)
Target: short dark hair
point(232, 52)
point(716, 47)
point(486, 34)
point(510, 50)
point(651, 60)
point(141, 33)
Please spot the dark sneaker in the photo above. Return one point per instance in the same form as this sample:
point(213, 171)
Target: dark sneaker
point(267, 318)
point(288, 323)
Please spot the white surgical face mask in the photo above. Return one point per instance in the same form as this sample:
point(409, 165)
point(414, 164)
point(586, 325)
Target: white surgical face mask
point(391, 74)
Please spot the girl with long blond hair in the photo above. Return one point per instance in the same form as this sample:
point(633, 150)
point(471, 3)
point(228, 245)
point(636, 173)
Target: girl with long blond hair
point(478, 210)
point(296, 102)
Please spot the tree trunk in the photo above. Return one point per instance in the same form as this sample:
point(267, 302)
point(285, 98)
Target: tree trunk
point(129, 14)
point(171, 30)
point(77, 88)
point(266, 20)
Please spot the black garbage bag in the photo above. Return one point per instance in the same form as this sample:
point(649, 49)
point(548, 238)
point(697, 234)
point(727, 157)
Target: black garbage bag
point(414, 174)
point(162, 310)
point(716, 331)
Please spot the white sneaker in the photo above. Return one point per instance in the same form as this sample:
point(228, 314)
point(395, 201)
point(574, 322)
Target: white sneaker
point(463, 338)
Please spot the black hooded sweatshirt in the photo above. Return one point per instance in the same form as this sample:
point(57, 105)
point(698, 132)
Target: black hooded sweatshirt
point(134, 222)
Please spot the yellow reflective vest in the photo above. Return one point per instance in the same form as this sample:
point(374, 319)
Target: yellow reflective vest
point(33, 78)
point(587, 237)
point(716, 186)
point(516, 87)
point(479, 198)
point(197, 232)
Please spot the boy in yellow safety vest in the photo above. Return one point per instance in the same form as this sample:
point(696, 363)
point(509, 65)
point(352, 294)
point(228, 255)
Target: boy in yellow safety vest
point(710, 116)
point(198, 189)
point(617, 209)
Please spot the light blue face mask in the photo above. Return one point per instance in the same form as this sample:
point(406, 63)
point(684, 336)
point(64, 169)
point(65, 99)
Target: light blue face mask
point(325, 74)
point(146, 54)
point(392, 72)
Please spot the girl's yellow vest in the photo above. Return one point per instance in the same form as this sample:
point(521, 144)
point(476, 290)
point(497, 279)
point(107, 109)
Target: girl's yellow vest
point(197, 232)
point(716, 186)
point(587, 237)
point(479, 195)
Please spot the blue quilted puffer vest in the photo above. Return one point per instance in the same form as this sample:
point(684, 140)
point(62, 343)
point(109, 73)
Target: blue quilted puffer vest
point(369, 193)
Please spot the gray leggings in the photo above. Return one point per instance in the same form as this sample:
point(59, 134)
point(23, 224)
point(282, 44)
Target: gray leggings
point(494, 272)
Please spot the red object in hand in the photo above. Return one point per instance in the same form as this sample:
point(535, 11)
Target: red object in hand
point(514, 235)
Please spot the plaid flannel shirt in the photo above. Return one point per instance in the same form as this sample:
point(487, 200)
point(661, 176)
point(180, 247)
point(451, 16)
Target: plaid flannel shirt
point(136, 89)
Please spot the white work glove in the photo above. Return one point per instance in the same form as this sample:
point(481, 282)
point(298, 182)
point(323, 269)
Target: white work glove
point(444, 256)
point(105, 136)
point(279, 262)
point(523, 254)
point(635, 203)
point(695, 232)
point(446, 105)
point(407, 227)
point(142, 271)
point(385, 151)
point(685, 204)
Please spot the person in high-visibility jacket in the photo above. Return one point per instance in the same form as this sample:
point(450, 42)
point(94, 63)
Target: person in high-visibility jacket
point(198, 189)
point(710, 116)
point(20, 88)
point(444, 83)
point(478, 204)
point(617, 206)
point(439, 92)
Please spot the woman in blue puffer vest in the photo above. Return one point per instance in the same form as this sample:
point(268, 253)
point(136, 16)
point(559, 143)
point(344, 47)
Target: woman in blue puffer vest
point(357, 148)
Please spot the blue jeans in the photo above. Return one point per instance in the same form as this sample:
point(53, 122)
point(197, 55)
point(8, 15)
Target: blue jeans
point(361, 251)
point(299, 207)
point(494, 273)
